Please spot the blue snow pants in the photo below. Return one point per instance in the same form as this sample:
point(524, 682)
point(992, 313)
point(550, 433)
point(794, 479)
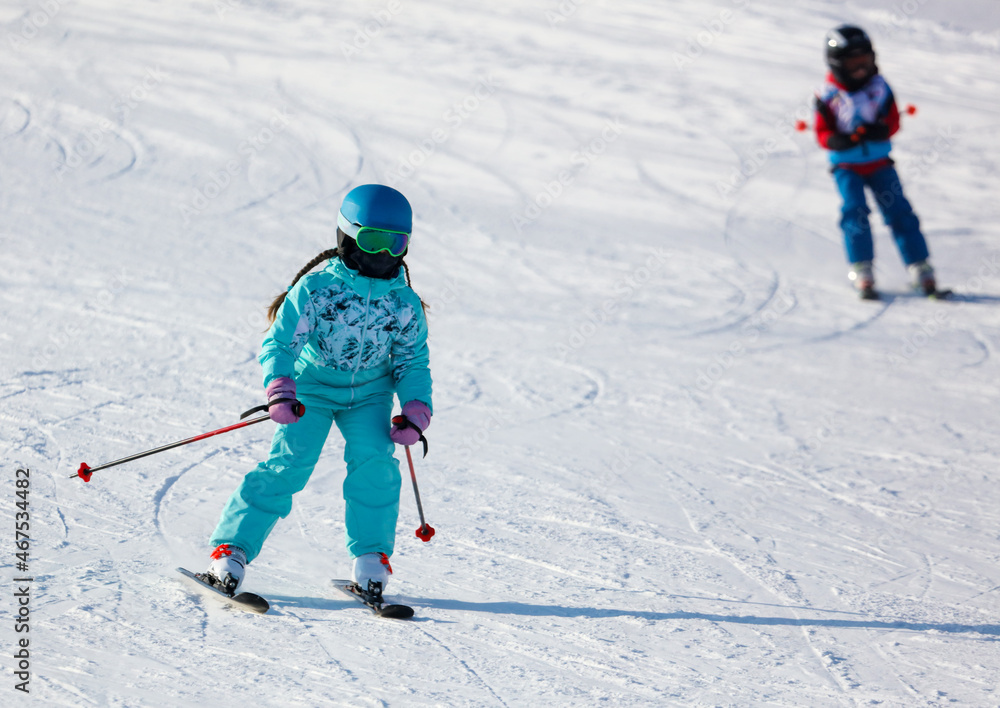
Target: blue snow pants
point(371, 487)
point(896, 210)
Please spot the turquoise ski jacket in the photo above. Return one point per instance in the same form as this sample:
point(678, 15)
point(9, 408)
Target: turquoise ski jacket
point(344, 337)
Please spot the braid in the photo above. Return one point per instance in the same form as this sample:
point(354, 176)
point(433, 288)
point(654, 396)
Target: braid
point(406, 270)
point(272, 311)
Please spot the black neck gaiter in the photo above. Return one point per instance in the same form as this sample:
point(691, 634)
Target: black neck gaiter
point(382, 265)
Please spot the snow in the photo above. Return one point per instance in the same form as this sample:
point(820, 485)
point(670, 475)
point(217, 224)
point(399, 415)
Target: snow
point(674, 461)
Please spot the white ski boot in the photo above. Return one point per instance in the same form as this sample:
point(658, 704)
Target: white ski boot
point(864, 279)
point(228, 567)
point(922, 277)
point(371, 573)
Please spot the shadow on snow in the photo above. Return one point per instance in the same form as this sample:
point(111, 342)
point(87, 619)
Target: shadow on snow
point(519, 608)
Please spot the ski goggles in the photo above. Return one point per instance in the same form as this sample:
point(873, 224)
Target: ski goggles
point(855, 63)
point(372, 240)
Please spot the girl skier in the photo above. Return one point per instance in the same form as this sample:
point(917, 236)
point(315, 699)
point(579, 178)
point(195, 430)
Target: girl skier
point(343, 341)
point(856, 115)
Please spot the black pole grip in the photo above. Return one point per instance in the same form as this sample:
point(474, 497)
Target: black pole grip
point(298, 407)
point(403, 422)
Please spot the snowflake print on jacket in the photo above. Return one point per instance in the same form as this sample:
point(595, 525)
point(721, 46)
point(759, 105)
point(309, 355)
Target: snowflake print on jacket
point(340, 329)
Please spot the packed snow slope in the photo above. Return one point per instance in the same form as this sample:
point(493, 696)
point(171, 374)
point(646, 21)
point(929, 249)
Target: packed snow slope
point(674, 460)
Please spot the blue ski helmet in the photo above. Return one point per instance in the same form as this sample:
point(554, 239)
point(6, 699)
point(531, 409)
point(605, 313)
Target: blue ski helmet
point(378, 207)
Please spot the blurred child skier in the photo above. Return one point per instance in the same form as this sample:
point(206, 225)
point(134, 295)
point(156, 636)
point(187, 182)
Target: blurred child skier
point(856, 115)
point(342, 340)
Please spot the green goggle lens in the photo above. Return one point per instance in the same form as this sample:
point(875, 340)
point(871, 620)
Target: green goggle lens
point(377, 240)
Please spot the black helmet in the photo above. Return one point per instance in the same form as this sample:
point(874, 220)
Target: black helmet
point(843, 43)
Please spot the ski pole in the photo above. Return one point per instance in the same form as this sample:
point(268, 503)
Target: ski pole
point(425, 531)
point(801, 125)
point(86, 470)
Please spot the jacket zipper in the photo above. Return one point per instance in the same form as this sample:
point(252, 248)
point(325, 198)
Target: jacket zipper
point(361, 343)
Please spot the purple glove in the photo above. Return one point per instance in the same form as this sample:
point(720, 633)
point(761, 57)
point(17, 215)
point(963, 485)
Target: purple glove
point(418, 415)
point(282, 387)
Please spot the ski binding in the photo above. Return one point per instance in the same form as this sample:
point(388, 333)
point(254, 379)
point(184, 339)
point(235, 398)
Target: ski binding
point(247, 601)
point(373, 601)
point(942, 294)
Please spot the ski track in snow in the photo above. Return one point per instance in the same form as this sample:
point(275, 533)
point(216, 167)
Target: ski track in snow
point(674, 461)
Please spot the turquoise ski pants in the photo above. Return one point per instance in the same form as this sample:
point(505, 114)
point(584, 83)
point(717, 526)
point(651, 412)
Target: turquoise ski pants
point(371, 487)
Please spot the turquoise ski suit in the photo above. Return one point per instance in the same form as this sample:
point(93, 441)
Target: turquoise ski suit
point(349, 342)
